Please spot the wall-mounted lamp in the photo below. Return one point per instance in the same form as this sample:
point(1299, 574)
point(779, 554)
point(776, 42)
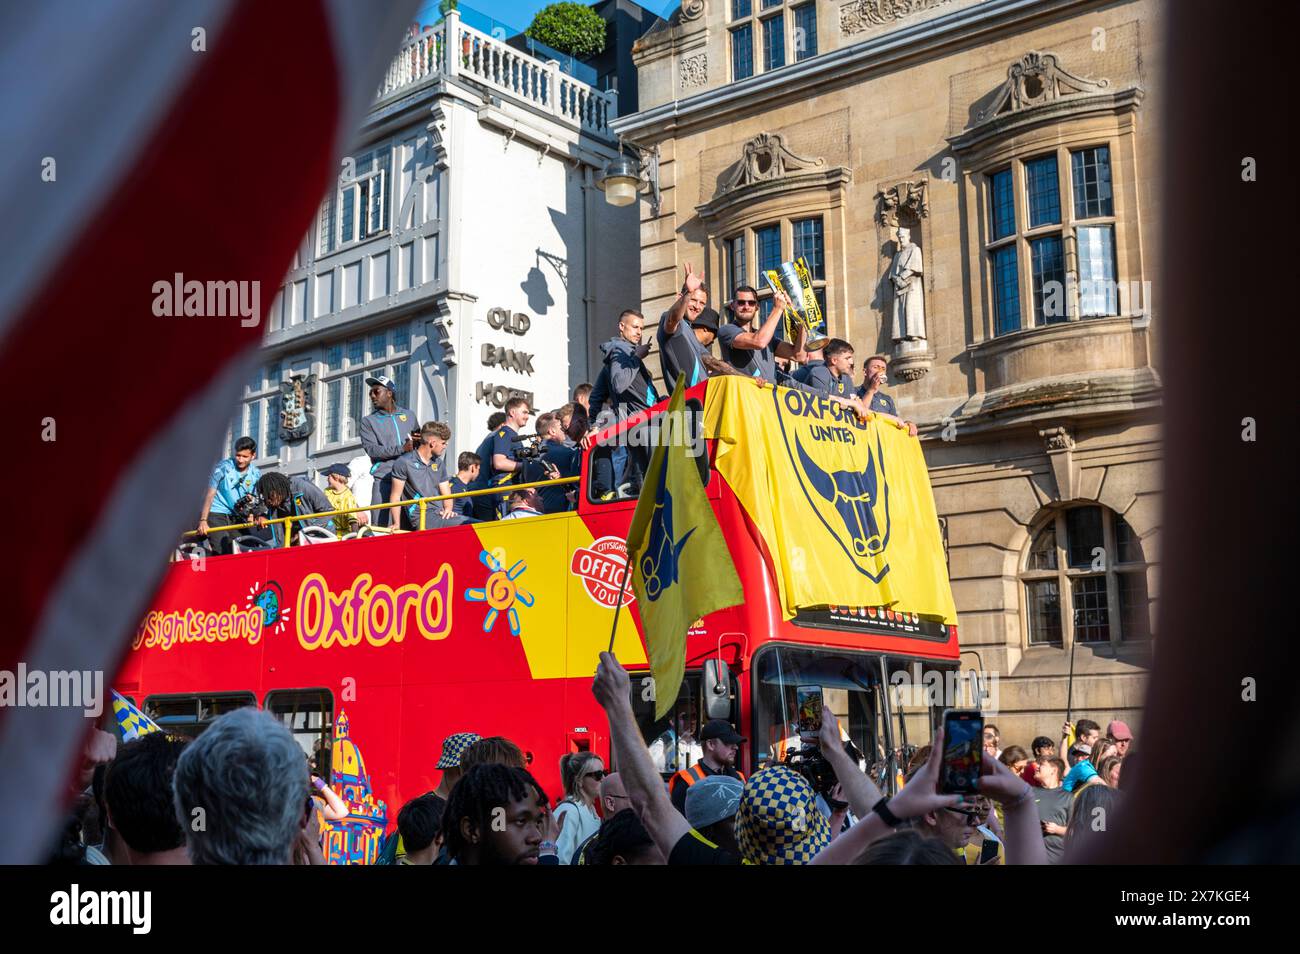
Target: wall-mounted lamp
point(625, 176)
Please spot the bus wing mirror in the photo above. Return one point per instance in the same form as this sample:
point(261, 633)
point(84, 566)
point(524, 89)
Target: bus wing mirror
point(717, 689)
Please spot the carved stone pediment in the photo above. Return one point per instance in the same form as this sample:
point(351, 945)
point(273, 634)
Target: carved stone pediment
point(766, 157)
point(1038, 78)
point(908, 197)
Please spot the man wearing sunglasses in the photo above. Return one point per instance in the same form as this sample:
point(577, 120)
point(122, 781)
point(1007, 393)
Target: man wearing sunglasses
point(754, 352)
point(385, 436)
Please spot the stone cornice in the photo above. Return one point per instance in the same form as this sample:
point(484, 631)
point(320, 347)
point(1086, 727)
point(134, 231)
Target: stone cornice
point(1069, 107)
point(1082, 328)
point(746, 195)
point(1075, 397)
point(878, 54)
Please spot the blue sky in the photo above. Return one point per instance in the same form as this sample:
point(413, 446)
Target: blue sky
point(519, 13)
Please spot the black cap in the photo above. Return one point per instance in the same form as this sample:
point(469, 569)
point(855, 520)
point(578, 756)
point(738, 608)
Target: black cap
point(720, 729)
point(708, 319)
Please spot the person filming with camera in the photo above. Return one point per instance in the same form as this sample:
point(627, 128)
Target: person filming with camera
point(284, 496)
point(500, 458)
point(232, 480)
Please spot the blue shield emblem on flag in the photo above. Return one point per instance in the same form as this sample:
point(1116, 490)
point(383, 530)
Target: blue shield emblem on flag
point(662, 552)
point(842, 472)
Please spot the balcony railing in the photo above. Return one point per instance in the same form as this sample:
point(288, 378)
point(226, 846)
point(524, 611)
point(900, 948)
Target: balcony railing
point(453, 49)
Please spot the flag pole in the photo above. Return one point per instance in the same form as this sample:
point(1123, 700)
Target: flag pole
point(627, 568)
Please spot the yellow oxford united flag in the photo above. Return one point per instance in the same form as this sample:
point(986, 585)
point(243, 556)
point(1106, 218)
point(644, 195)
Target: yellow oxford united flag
point(844, 506)
point(683, 570)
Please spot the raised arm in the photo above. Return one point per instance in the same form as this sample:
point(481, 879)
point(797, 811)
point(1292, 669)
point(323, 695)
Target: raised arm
point(919, 796)
point(859, 791)
point(758, 340)
point(1024, 830)
point(675, 313)
point(645, 789)
point(334, 809)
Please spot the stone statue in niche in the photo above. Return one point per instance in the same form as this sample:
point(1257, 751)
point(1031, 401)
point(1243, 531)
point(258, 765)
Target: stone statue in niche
point(905, 274)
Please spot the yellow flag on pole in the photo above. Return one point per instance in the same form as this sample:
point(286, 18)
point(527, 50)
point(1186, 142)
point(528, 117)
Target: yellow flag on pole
point(682, 567)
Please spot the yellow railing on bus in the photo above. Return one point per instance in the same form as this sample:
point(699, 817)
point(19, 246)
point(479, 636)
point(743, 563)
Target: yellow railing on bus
point(421, 502)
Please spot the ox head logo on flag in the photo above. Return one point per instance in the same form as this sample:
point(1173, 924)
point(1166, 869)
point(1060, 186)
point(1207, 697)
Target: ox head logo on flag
point(850, 495)
point(659, 565)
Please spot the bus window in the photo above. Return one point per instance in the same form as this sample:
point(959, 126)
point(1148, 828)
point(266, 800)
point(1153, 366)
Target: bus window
point(672, 740)
point(309, 715)
point(608, 468)
point(919, 691)
point(850, 685)
point(190, 715)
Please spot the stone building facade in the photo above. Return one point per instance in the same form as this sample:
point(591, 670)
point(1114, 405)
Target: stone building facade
point(1018, 143)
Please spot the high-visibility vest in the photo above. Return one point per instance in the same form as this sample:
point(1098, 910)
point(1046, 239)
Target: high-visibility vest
point(693, 774)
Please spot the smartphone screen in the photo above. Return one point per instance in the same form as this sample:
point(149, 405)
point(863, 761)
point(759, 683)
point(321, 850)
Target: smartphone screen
point(808, 701)
point(963, 743)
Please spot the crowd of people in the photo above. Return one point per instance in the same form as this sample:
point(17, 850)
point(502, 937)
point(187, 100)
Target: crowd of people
point(409, 461)
point(244, 792)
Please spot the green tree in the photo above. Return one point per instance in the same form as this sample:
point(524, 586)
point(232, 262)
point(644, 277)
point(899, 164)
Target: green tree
point(570, 28)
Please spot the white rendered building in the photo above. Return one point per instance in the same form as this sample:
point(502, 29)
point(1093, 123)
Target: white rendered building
point(465, 250)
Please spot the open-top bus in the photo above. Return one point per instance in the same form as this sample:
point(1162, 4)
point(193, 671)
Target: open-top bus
point(385, 645)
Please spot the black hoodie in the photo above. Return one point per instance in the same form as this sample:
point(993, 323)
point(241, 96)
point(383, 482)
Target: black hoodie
point(624, 382)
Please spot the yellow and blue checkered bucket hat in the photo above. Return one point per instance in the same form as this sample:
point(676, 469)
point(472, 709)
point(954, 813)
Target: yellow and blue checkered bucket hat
point(778, 822)
point(454, 746)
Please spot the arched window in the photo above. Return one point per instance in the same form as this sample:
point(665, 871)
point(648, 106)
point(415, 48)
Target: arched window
point(1084, 579)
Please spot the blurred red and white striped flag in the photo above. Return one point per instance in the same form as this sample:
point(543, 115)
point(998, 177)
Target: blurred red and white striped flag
point(139, 139)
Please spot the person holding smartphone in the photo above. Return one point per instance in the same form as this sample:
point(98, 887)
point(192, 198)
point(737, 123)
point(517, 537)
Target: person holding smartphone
point(876, 400)
point(933, 813)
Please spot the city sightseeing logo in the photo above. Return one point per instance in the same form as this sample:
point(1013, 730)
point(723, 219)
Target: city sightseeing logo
point(270, 600)
point(601, 567)
point(501, 592)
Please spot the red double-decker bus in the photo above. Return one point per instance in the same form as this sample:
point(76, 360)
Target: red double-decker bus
point(373, 650)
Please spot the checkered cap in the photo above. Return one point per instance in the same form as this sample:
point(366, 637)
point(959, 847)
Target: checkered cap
point(778, 822)
point(454, 746)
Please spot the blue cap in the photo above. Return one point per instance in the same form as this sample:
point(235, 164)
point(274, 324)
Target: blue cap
point(339, 470)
